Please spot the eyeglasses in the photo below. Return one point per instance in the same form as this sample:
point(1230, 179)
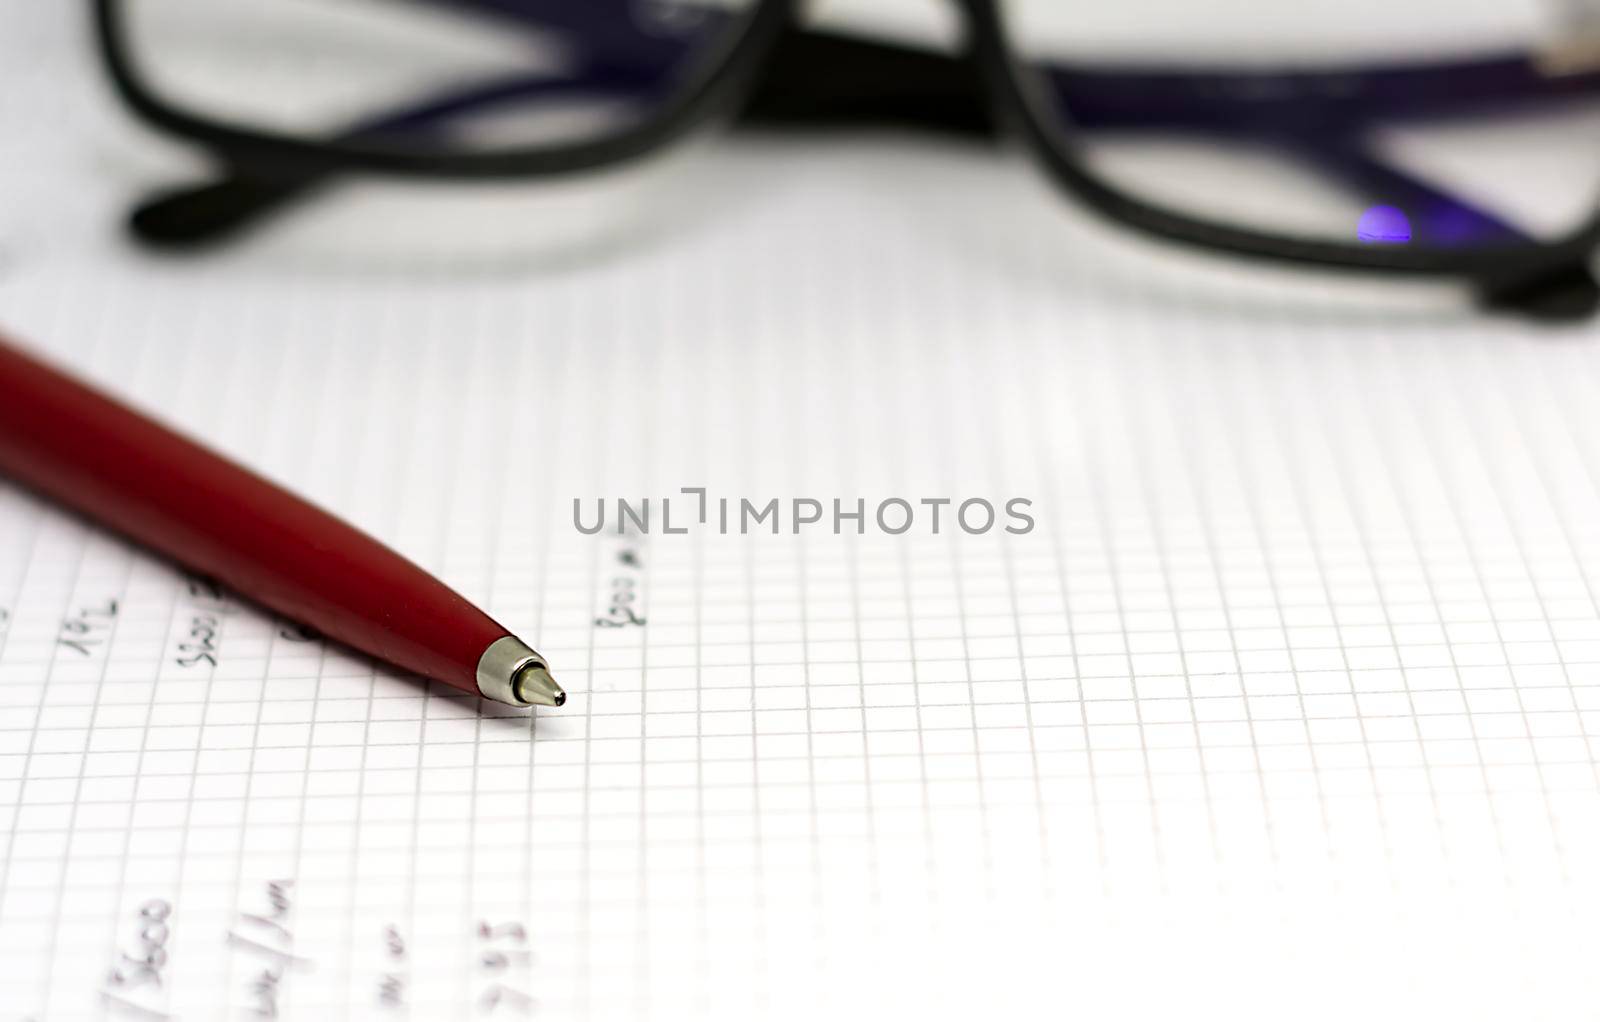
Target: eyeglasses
point(1443, 138)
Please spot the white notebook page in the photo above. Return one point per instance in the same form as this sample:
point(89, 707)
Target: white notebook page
point(1287, 705)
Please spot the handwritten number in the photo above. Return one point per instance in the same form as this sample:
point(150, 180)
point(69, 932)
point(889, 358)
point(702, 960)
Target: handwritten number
point(504, 931)
point(141, 970)
point(498, 961)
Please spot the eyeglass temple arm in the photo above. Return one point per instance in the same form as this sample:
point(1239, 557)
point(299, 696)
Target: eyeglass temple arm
point(191, 216)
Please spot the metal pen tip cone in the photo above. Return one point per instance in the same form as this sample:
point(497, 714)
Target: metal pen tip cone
point(534, 685)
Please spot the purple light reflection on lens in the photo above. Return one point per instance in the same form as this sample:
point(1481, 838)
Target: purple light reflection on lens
point(1384, 225)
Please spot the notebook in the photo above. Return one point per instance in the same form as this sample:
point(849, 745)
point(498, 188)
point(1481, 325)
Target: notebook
point(1282, 703)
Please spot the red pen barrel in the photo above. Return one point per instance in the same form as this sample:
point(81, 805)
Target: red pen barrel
point(118, 468)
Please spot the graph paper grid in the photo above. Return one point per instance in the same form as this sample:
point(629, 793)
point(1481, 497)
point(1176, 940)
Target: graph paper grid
point(1287, 706)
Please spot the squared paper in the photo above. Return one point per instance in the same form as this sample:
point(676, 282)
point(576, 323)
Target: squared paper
point(1288, 705)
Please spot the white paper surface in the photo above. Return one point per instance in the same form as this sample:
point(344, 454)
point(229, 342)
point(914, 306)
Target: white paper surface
point(1287, 708)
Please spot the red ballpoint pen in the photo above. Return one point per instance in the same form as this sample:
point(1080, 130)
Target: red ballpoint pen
point(119, 468)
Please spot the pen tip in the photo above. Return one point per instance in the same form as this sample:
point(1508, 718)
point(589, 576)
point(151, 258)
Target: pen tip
point(534, 685)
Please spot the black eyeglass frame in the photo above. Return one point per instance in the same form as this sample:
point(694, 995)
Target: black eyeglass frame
point(727, 83)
